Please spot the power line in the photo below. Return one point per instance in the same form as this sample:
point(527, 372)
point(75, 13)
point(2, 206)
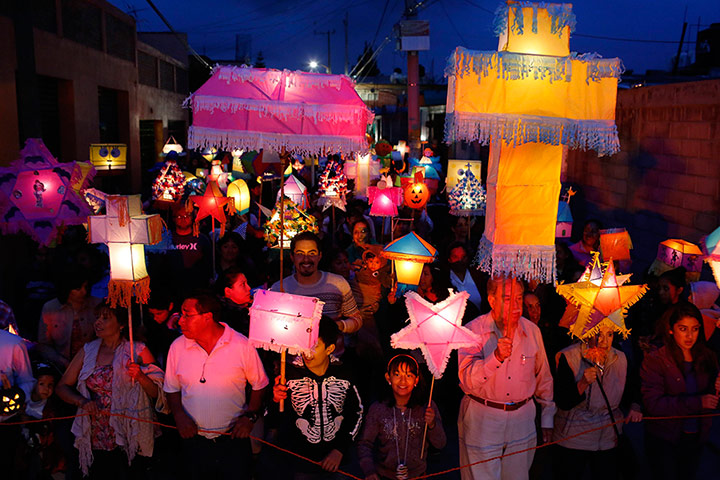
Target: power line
point(469, 2)
point(452, 24)
point(634, 40)
point(382, 17)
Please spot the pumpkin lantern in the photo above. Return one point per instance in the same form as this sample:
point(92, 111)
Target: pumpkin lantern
point(417, 193)
point(11, 400)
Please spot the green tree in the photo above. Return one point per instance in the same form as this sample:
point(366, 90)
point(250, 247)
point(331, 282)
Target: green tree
point(260, 60)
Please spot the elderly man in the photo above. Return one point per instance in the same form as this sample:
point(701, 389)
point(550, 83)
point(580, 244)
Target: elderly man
point(309, 281)
point(500, 376)
point(208, 369)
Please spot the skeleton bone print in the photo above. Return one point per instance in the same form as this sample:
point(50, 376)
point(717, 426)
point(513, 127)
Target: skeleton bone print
point(313, 411)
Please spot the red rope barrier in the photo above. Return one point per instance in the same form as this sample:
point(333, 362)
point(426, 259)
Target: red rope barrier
point(429, 475)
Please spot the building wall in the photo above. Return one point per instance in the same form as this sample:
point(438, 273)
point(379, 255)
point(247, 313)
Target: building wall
point(665, 182)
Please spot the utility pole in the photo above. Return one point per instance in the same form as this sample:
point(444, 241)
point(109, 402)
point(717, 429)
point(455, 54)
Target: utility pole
point(345, 24)
point(328, 33)
point(413, 88)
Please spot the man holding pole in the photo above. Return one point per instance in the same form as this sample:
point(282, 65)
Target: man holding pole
point(500, 376)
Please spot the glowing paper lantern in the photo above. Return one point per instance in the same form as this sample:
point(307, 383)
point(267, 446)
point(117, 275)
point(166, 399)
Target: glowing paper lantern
point(384, 198)
point(108, 156)
point(467, 198)
point(333, 186)
point(417, 193)
point(457, 169)
point(563, 229)
point(281, 321)
point(364, 169)
point(169, 186)
point(408, 254)
point(296, 191)
point(529, 101)
point(240, 193)
point(296, 221)
point(673, 253)
point(436, 329)
point(125, 230)
point(212, 204)
point(615, 243)
point(602, 299)
point(38, 195)
point(711, 249)
point(172, 146)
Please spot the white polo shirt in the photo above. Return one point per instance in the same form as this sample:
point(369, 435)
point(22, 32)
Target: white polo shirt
point(215, 403)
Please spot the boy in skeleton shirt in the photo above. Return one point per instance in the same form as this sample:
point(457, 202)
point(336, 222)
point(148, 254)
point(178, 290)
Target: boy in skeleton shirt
point(324, 411)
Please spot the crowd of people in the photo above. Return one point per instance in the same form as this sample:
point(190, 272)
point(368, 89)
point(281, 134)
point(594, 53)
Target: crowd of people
point(355, 403)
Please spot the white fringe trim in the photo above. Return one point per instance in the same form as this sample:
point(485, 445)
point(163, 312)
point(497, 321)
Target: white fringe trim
point(598, 135)
point(200, 137)
point(232, 73)
point(520, 261)
point(283, 110)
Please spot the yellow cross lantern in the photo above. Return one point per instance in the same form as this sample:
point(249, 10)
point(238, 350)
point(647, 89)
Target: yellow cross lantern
point(126, 230)
point(529, 101)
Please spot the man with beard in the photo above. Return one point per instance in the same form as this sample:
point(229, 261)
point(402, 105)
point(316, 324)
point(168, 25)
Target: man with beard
point(308, 281)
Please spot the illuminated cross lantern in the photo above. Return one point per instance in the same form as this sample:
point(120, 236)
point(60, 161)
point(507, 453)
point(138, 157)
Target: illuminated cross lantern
point(529, 101)
point(467, 198)
point(125, 230)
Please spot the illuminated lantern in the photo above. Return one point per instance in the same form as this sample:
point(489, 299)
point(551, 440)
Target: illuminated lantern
point(602, 299)
point(108, 156)
point(282, 321)
point(467, 198)
point(383, 148)
point(212, 204)
point(39, 196)
point(296, 221)
point(237, 161)
point(457, 169)
point(172, 147)
point(240, 193)
point(364, 169)
point(673, 253)
point(711, 248)
point(125, 230)
point(417, 193)
point(436, 329)
point(408, 254)
point(563, 229)
point(384, 198)
point(432, 168)
point(615, 243)
point(209, 153)
point(169, 186)
point(529, 101)
point(296, 191)
point(333, 186)
point(12, 400)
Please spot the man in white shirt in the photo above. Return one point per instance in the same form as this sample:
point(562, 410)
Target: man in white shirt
point(208, 369)
point(500, 376)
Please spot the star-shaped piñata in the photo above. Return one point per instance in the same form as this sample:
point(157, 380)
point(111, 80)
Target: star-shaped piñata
point(435, 329)
point(603, 299)
point(211, 204)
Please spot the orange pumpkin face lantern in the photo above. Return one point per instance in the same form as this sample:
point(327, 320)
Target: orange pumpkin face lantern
point(417, 193)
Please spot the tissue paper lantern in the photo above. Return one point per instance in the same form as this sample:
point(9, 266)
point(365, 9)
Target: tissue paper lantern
point(125, 230)
point(417, 193)
point(457, 169)
point(39, 196)
point(282, 321)
point(384, 198)
point(673, 253)
point(615, 243)
point(212, 204)
point(529, 101)
point(296, 191)
point(563, 228)
point(467, 198)
point(364, 169)
point(240, 193)
point(333, 186)
point(436, 329)
point(169, 186)
point(408, 254)
point(171, 145)
point(711, 249)
point(108, 156)
point(602, 299)
point(296, 221)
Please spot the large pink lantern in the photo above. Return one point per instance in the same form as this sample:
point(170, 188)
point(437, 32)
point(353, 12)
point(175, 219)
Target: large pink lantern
point(384, 198)
point(39, 196)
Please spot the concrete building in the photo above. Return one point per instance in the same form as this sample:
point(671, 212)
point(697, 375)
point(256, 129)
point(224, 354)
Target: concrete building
point(76, 72)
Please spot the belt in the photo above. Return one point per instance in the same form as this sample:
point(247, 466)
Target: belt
point(507, 407)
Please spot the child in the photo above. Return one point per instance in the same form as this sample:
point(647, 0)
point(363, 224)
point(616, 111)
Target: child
point(323, 410)
point(396, 426)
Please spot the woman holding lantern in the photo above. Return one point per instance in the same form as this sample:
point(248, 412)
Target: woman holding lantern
point(102, 379)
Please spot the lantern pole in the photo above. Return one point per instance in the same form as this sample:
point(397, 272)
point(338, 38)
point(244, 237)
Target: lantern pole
point(212, 235)
point(130, 334)
point(422, 445)
point(283, 353)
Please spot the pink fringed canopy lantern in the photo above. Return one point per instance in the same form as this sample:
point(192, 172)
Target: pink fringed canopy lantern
point(254, 108)
point(282, 321)
point(39, 196)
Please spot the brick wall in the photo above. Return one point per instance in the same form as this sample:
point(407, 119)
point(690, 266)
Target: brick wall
point(665, 182)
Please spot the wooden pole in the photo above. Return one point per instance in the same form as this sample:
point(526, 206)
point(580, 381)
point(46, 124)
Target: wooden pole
point(212, 238)
point(422, 446)
point(283, 354)
point(130, 334)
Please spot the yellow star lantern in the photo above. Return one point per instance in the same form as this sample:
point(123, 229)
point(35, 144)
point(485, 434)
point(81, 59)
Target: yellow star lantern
point(602, 298)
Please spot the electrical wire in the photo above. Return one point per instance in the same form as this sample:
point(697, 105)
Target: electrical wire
point(382, 17)
point(635, 40)
point(452, 24)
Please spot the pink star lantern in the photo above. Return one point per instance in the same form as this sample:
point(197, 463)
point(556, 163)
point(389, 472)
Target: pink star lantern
point(435, 329)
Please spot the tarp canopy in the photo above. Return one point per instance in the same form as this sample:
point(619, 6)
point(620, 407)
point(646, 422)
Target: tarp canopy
point(254, 108)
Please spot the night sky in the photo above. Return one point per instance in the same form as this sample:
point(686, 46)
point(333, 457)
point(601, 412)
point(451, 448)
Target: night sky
point(283, 29)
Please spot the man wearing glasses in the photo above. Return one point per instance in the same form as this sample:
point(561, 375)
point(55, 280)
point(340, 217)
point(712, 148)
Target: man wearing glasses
point(208, 369)
point(309, 281)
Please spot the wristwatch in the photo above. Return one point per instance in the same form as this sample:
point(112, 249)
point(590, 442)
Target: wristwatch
point(252, 416)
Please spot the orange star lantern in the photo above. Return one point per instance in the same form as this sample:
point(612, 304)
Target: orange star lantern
point(530, 100)
point(602, 298)
point(212, 204)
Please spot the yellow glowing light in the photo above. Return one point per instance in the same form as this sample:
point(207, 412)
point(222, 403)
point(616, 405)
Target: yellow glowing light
point(127, 261)
point(239, 191)
point(408, 272)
